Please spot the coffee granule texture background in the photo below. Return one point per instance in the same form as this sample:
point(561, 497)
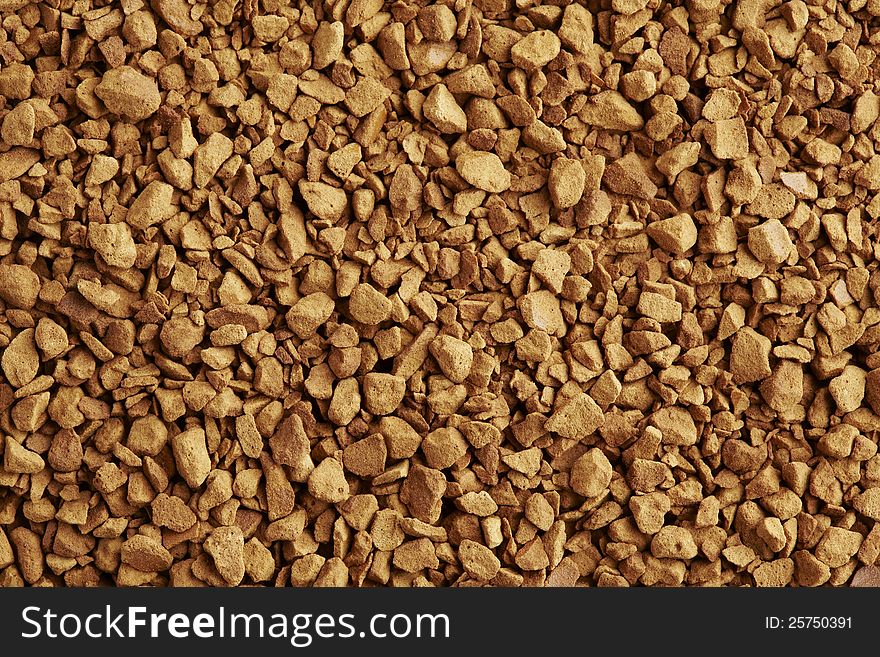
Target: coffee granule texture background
point(465, 293)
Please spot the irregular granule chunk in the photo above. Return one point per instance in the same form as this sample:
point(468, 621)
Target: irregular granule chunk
point(837, 546)
point(611, 111)
point(304, 571)
point(566, 182)
point(543, 138)
point(18, 126)
point(360, 11)
point(478, 561)
point(478, 504)
point(366, 458)
point(627, 176)
point(869, 175)
point(532, 556)
point(785, 386)
point(541, 310)
point(552, 266)
point(139, 30)
point(281, 91)
point(677, 159)
point(591, 473)
point(342, 161)
point(535, 346)
point(333, 574)
point(866, 110)
point(809, 571)
point(771, 531)
point(822, 152)
point(422, 492)
point(677, 234)
point(638, 86)
point(171, 512)
point(191, 456)
point(645, 475)
point(327, 482)
point(473, 80)
point(770, 242)
point(578, 418)
point(416, 555)
point(103, 168)
point(576, 30)
point(309, 313)
point(180, 335)
point(16, 80)
point(323, 200)
point(345, 403)
point(326, 44)
point(226, 547)
point(848, 388)
point(383, 393)
point(517, 110)
point(290, 446)
point(443, 447)
point(286, 528)
point(359, 510)
point(750, 356)
point(455, 357)
point(535, 50)
point(405, 192)
point(129, 93)
point(209, 156)
point(649, 511)
point(483, 170)
point(772, 201)
point(147, 436)
point(868, 503)
point(367, 305)
point(386, 531)
point(114, 243)
point(728, 139)
point(366, 96)
point(539, 512)
point(20, 361)
point(443, 111)
point(152, 206)
point(19, 286)
point(673, 542)
point(20, 460)
point(676, 425)
point(527, 461)
point(774, 573)
point(30, 558)
point(437, 22)
point(411, 357)
point(280, 496)
point(867, 576)
point(15, 162)
point(721, 105)
point(401, 438)
point(270, 28)
point(659, 307)
point(145, 554)
point(259, 564)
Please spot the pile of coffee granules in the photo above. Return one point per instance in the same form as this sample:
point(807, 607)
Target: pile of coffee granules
point(411, 293)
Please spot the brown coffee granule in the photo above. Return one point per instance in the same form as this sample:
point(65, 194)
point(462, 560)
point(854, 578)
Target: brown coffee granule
point(439, 294)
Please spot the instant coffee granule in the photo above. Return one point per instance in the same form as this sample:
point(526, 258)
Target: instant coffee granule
point(410, 293)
